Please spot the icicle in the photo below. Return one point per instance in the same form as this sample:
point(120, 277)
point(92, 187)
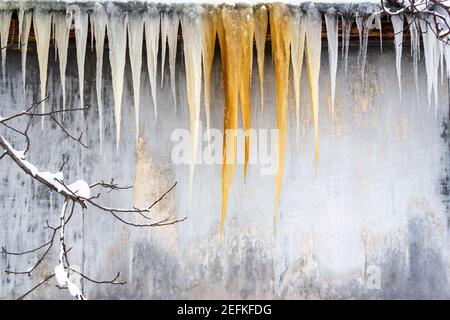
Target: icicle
point(343, 23)
point(151, 22)
point(135, 38)
point(363, 34)
point(260, 39)
point(99, 26)
point(378, 26)
point(117, 39)
point(333, 43)
point(360, 25)
point(25, 23)
point(247, 30)
point(346, 41)
point(192, 27)
point(280, 35)
point(228, 31)
point(415, 45)
point(313, 27)
point(62, 23)
point(431, 54)
point(165, 23)
point(172, 39)
point(297, 49)
point(91, 25)
point(20, 15)
point(5, 21)
point(397, 24)
point(209, 43)
point(81, 31)
point(42, 22)
point(441, 59)
point(447, 59)
point(365, 40)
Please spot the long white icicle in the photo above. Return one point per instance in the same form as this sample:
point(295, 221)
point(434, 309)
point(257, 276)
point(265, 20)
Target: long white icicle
point(331, 21)
point(42, 23)
point(5, 21)
point(397, 24)
point(151, 22)
point(117, 39)
point(25, 26)
point(135, 38)
point(415, 47)
point(81, 20)
point(62, 24)
point(192, 42)
point(165, 23)
point(172, 39)
point(99, 20)
point(431, 53)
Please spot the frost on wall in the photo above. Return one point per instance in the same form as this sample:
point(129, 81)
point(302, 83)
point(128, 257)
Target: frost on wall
point(295, 39)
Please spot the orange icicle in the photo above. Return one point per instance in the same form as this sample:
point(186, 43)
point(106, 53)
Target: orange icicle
point(228, 31)
point(247, 29)
point(209, 43)
point(260, 39)
point(313, 28)
point(280, 34)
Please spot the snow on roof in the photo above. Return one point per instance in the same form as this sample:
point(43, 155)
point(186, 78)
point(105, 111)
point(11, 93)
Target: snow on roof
point(14, 4)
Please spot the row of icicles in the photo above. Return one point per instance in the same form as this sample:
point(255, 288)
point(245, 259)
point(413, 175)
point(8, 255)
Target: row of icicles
point(293, 31)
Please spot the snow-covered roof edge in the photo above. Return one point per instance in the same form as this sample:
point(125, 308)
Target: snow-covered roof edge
point(60, 4)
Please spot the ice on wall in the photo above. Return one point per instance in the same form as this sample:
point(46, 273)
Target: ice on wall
point(42, 25)
point(24, 32)
point(99, 26)
point(331, 20)
point(397, 24)
point(294, 32)
point(151, 23)
point(135, 38)
point(5, 21)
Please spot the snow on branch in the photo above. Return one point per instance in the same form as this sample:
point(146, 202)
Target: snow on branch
point(435, 14)
point(75, 194)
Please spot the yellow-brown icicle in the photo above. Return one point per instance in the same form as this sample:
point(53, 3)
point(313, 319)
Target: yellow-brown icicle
point(260, 39)
point(297, 48)
point(228, 31)
point(313, 28)
point(280, 31)
point(247, 29)
point(209, 43)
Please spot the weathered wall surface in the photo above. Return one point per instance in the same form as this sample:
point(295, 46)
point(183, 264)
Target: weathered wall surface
point(378, 203)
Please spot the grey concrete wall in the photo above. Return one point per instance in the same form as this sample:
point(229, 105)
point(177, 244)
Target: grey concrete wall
point(378, 203)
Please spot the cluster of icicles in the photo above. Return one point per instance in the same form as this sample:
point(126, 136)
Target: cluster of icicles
point(294, 32)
